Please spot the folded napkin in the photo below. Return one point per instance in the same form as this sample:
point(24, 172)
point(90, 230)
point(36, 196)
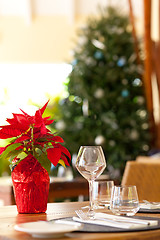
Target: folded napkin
point(149, 206)
point(118, 221)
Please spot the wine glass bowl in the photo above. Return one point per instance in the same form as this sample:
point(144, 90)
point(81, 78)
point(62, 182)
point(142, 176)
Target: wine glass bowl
point(90, 163)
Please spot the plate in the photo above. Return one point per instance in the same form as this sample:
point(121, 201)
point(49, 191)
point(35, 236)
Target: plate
point(43, 229)
point(146, 210)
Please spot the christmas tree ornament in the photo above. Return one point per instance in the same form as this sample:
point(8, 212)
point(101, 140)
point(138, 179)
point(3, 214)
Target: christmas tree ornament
point(121, 62)
point(137, 82)
point(100, 140)
point(90, 61)
point(142, 113)
point(112, 143)
point(124, 81)
point(132, 58)
point(134, 135)
point(99, 93)
point(125, 93)
point(98, 55)
point(145, 147)
point(85, 107)
point(140, 100)
point(145, 126)
point(74, 62)
point(98, 44)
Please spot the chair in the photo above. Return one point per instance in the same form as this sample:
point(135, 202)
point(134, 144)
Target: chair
point(146, 159)
point(68, 189)
point(145, 176)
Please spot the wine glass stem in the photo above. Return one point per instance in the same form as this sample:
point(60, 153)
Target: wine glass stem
point(91, 196)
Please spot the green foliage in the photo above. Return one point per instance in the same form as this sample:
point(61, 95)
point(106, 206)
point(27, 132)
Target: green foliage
point(106, 104)
point(43, 160)
point(9, 150)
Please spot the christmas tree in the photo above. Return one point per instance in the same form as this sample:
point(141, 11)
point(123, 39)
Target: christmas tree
point(106, 104)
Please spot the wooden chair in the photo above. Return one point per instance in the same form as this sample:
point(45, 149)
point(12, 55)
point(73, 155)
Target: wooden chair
point(77, 189)
point(68, 189)
point(147, 159)
point(146, 177)
point(151, 76)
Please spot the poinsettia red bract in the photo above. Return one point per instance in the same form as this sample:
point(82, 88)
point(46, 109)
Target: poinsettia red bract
point(29, 135)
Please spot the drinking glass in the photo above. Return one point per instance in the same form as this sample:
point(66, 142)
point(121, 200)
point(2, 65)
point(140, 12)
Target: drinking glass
point(102, 193)
point(124, 200)
point(90, 163)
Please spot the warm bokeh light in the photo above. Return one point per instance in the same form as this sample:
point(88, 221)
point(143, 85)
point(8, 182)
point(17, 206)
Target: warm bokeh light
point(26, 84)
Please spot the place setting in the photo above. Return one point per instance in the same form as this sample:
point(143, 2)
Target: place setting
point(122, 217)
point(122, 201)
point(111, 208)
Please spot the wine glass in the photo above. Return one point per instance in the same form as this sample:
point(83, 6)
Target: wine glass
point(90, 163)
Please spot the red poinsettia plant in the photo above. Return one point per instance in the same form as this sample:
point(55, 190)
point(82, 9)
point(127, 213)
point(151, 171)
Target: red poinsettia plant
point(30, 137)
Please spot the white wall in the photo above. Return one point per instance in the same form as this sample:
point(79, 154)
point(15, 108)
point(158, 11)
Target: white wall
point(63, 7)
point(43, 30)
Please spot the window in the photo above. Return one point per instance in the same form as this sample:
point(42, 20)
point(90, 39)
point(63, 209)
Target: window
point(24, 84)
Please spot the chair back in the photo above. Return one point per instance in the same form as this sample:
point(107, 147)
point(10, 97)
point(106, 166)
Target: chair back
point(145, 176)
point(147, 159)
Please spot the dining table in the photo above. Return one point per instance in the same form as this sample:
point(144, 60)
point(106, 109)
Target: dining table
point(9, 217)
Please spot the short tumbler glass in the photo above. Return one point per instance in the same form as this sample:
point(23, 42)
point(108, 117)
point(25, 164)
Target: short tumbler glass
point(124, 200)
point(102, 193)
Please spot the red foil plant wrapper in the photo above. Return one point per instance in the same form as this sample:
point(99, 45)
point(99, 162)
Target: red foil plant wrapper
point(31, 186)
point(31, 151)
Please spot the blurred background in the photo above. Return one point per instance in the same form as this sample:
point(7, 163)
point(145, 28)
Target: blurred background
point(92, 59)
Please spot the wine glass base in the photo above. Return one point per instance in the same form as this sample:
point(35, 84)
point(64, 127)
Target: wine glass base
point(95, 207)
point(91, 214)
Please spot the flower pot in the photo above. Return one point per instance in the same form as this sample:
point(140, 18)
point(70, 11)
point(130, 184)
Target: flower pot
point(30, 185)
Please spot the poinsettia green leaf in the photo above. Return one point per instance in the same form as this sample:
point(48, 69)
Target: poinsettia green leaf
point(20, 157)
point(11, 155)
point(11, 166)
point(10, 148)
point(43, 160)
